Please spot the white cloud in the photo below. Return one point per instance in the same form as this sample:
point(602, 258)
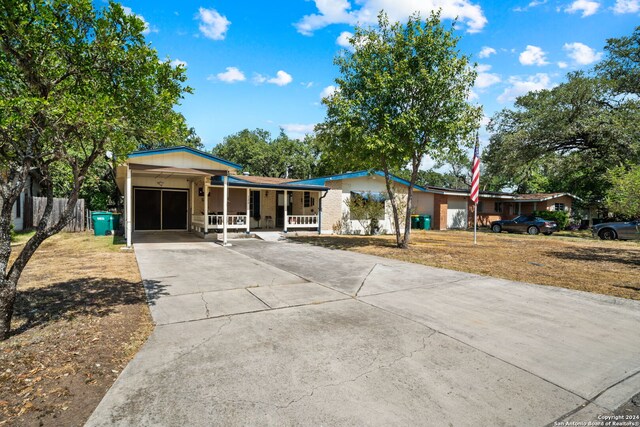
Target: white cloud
point(307, 85)
point(282, 78)
point(343, 39)
point(232, 75)
point(473, 96)
point(581, 53)
point(532, 4)
point(341, 12)
point(297, 130)
point(212, 25)
point(259, 78)
point(587, 7)
point(486, 52)
point(519, 87)
point(484, 78)
point(562, 64)
point(533, 55)
point(178, 62)
point(147, 27)
point(328, 91)
point(626, 6)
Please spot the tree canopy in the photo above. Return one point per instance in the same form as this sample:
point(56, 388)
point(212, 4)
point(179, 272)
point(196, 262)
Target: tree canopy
point(623, 196)
point(74, 82)
point(401, 95)
point(567, 138)
point(261, 154)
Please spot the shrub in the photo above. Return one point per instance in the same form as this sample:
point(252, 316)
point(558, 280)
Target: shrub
point(561, 217)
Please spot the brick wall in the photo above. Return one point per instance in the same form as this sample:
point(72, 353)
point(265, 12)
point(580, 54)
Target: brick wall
point(268, 207)
point(331, 206)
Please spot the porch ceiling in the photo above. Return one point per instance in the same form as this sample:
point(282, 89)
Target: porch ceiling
point(177, 171)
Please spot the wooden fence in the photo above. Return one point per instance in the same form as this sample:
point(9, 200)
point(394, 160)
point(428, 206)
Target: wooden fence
point(34, 209)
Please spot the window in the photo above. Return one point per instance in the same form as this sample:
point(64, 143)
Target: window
point(254, 205)
point(364, 206)
point(497, 207)
point(559, 206)
point(308, 200)
point(480, 207)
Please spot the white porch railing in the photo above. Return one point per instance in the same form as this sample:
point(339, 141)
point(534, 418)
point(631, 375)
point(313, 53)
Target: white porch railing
point(233, 221)
point(302, 221)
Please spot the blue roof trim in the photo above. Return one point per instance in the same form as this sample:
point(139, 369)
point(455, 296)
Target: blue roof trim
point(184, 149)
point(244, 184)
point(358, 174)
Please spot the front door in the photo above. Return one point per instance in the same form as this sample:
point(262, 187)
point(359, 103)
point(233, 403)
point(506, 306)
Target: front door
point(280, 207)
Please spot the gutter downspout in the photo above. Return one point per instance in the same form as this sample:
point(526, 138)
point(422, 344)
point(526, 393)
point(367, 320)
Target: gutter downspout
point(320, 211)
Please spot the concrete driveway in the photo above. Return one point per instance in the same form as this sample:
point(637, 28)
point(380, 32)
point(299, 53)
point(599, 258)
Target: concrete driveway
point(291, 334)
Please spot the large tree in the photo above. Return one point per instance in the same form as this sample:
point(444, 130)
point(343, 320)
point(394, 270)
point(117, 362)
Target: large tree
point(74, 83)
point(568, 138)
point(401, 95)
point(260, 154)
point(621, 65)
point(565, 138)
point(623, 197)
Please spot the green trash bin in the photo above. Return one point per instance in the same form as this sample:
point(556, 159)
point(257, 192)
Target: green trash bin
point(425, 222)
point(104, 223)
point(415, 221)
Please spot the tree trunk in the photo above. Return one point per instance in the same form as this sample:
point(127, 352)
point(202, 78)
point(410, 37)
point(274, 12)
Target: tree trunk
point(7, 301)
point(10, 190)
point(407, 219)
point(394, 205)
point(9, 281)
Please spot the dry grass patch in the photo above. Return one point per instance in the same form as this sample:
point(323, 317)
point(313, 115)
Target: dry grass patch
point(81, 315)
point(571, 261)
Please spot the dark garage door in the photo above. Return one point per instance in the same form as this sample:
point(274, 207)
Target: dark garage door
point(160, 209)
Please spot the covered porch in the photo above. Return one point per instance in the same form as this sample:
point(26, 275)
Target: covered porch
point(252, 206)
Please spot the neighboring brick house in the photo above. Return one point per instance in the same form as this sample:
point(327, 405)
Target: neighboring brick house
point(452, 208)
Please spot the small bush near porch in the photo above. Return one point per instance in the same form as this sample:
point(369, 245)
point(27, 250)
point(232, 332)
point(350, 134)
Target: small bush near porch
point(610, 268)
point(81, 315)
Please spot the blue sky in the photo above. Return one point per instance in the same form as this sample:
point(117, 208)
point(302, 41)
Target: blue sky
point(265, 64)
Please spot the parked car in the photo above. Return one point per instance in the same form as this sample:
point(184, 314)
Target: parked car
point(525, 224)
point(629, 230)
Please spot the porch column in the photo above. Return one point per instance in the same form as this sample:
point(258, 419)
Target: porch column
point(128, 207)
point(193, 204)
point(248, 208)
point(286, 214)
point(320, 212)
point(225, 201)
point(205, 187)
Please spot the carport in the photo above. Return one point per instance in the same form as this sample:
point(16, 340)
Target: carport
point(161, 186)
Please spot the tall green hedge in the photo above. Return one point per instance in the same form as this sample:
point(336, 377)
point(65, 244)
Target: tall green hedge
point(560, 217)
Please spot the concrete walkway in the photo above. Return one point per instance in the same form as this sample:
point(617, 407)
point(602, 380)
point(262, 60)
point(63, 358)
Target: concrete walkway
point(290, 334)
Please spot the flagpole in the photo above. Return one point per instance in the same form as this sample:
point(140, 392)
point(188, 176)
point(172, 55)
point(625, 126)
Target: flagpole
point(475, 225)
point(474, 191)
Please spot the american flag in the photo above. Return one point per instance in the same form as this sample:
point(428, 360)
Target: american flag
point(475, 174)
